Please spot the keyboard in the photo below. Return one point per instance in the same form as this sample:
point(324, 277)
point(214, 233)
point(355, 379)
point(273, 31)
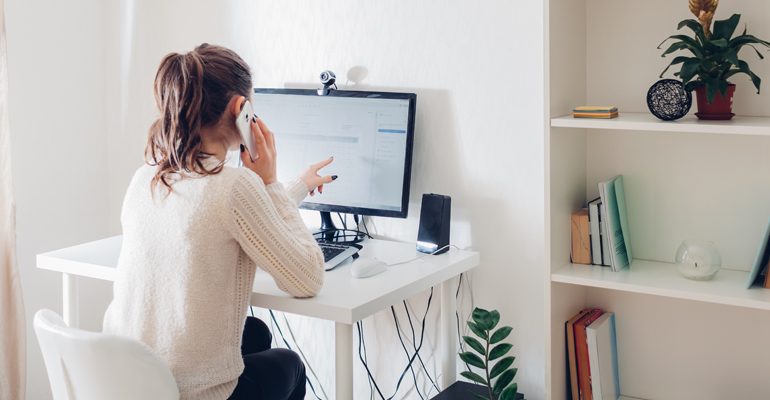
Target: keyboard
point(335, 253)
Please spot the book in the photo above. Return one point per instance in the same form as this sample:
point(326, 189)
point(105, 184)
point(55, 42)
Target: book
point(581, 231)
point(581, 346)
point(596, 240)
point(571, 355)
point(761, 260)
point(614, 199)
point(606, 259)
point(603, 358)
point(595, 112)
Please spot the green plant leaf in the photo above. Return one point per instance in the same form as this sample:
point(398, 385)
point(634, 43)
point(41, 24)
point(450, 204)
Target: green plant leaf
point(747, 39)
point(689, 68)
point(499, 351)
point(732, 56)
point(478, 396)
point(724, 29)
point(495, 319)
point(761, 57)
point(472, 359)
point(501, 366)
point(721, 43)
point(677, 60)
point(685, 42)
point(712, 87)
point(478, 331)
point(509, 393)
point(500, 334)
point(744, 67)
point(503, 381)
point(482, 318)
point(474, 377)
point(723, 88)
point(475, 345)
point(696, 27)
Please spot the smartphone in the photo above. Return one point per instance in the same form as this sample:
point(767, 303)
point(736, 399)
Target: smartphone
point(243, 122)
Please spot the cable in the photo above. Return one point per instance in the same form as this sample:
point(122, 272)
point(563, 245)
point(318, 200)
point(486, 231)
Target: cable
point(289, 347)
point(422, 336)
point(457, 315)
point(414, 344)
point(307, 363)
point(366, 359)
point(369, 373)
point(343, 221)
point(414, 376)
point(363, 219)
point(426, 255)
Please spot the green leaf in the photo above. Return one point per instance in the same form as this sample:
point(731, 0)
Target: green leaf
point(500, 334)
point(472, 359)
point(474, 377)
point(495, 319)
point(689, 68)
point(499, 351)
point(732, 56)
point(721, 43)
point(478, 396)
point(685, 42)
point(723, 88)
point(744, 67)
point(761, 57)
point(475, 345)
point(478, 331)
point(696, 27)
point(712, 87)
point(677, 60)
point(724, 29)
point(501, 366)
point(482, 318)
point(503, 381)
point(509, 393)
point(747, 39)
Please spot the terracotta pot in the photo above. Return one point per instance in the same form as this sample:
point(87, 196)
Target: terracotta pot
point(720, 109)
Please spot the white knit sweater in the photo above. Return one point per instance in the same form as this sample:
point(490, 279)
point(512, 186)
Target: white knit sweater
point(187, 267)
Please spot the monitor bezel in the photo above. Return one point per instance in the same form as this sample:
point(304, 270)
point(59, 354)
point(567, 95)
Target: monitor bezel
point(405, 192)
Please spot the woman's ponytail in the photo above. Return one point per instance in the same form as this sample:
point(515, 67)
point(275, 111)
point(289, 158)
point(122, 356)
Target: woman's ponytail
point(191, 91)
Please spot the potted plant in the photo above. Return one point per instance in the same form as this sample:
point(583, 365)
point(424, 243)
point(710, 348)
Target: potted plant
point(483, 325)
point(714, 59)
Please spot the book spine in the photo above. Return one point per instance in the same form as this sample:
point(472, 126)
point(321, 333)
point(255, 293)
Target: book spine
point(593, 363)
point(596, 241)
point(584, 369)
point(606, 260)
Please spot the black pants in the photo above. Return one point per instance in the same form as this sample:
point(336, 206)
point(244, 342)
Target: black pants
point(270, 374)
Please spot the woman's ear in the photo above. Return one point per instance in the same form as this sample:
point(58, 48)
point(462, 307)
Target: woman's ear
point(236, 104)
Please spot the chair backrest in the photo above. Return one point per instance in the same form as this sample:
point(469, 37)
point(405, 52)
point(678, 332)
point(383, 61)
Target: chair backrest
point(86, 365)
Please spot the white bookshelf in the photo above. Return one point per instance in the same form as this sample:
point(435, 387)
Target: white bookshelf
point(677, 338)
point(739, 125)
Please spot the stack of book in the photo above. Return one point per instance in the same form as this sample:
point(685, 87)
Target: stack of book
point(595, 112)
point(593, 355)
point(600, 234)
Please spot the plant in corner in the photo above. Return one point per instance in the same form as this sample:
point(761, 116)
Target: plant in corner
point(484, 322)
point(714, 59)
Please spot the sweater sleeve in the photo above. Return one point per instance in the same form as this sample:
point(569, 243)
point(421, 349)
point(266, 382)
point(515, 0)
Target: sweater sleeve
point(267, 224)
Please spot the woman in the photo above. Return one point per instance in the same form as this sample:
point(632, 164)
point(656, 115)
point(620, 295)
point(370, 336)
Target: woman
point(195, 232)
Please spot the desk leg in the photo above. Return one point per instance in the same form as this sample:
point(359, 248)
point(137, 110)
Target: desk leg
point(448, 333)
point(70, 300)
point(343, 335)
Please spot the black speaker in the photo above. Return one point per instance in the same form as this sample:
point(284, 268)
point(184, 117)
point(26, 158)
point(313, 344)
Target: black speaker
point(435, 214)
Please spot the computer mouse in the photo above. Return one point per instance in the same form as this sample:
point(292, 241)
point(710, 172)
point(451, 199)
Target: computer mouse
point(365, 267)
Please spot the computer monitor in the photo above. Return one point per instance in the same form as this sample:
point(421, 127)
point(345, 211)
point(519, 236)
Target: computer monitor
point(369, 134)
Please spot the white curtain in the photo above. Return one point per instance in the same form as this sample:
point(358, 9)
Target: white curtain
point(13, 347)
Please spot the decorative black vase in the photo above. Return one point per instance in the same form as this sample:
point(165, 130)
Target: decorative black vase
point(459, 391)
point(668, 101)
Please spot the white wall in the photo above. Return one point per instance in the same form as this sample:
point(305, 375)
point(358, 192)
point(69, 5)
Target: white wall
point(478, 75)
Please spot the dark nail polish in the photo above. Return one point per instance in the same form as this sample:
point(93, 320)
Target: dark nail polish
point(334, 177)
point(242, 149)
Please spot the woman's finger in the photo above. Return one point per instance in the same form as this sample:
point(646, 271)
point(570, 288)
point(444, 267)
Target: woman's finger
point(246, 157)
point(323, 163)
point(320, 188)
point(268, 134)
point(259, 137)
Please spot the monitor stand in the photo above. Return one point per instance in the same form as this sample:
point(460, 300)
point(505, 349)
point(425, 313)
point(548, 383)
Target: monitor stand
point(327, 226)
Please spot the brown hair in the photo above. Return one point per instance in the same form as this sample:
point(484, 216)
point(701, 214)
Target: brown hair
point(192, 90)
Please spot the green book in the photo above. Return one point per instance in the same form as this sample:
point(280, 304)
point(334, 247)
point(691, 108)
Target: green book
point(614, 199)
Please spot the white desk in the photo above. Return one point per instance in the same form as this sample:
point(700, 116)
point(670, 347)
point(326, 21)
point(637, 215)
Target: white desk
point(343, 299)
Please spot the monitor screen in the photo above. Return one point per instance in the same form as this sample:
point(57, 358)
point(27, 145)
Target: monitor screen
point(369, 134)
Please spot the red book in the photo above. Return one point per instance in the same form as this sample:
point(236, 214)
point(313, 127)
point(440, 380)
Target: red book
point(581, 344)
point(571, 356)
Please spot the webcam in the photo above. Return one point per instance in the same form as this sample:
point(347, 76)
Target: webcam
point(327, 79)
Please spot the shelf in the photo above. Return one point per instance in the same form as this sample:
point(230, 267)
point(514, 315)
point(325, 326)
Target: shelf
point(663, 279)
point(648, 122)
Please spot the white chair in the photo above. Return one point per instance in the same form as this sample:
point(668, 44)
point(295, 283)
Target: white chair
point(86, 365)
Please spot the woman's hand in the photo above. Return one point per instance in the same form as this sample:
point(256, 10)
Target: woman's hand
point(264, 160)
point(313, 180)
